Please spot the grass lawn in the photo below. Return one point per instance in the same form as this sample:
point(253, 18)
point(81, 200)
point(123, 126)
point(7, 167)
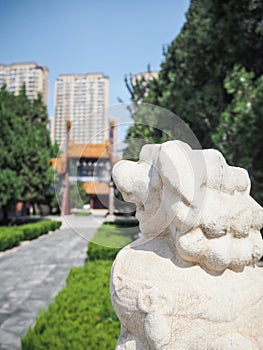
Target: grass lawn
point(82, 213)
point(116, 235)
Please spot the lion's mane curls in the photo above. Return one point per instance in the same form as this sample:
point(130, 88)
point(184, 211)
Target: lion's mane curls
point(216, 223)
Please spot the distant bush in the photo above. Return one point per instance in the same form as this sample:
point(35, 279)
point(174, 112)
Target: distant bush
point(35, 230)
point(12, 236)
point(125, 222)
point(81, 317)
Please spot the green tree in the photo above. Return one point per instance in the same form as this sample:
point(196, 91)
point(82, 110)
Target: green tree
point(150, 127)
point(239, 133)
point(12, 148)
point(36, 169)
point(26, 173)
point(194, 77)
point(78, 196)
point(216, 36)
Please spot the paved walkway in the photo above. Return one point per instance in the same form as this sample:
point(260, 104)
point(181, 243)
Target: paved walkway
point(32, 274)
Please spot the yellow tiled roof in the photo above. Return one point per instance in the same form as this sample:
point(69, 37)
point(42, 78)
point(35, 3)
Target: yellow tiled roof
point(82, 150)
point(96, 188)
point(89, 150)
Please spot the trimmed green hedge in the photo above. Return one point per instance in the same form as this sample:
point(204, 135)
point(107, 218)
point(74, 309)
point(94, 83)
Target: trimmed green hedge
point(12, 236)
point(32, 231)
point(81, 317)
point(97, 252)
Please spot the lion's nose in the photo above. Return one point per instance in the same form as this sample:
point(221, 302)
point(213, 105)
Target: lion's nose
point(132, 180)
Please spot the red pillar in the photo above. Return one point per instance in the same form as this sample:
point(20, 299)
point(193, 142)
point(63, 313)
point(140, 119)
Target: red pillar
point(65, 205)
point(111, 185)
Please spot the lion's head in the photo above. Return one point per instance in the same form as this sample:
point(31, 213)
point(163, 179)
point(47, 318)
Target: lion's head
point(201, 201)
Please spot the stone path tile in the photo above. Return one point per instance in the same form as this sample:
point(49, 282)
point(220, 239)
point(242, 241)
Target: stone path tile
point(32, 274)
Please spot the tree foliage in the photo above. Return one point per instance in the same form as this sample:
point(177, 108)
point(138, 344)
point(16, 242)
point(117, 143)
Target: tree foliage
point(195, 78)
point(78, 195)
point(26, 150)
point(216, 36)
point(239, 133)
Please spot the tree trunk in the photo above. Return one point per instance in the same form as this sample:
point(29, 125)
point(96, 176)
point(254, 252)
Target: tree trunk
point(5, 210)
point(24, 209)
point(34, 208)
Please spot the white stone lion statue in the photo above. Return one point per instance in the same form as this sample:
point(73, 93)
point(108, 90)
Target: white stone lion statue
point(191, 280)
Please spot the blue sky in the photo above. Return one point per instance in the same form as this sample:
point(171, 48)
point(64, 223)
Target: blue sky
point(82, 36)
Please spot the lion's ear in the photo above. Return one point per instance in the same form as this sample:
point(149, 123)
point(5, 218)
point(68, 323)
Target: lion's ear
point(223, 177)
point(181, 168)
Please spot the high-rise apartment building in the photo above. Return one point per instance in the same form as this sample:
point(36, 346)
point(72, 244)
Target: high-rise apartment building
point(83, 99)
point(34, 77)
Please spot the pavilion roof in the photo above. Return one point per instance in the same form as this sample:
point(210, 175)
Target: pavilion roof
point(96, 188)
point(89, 150)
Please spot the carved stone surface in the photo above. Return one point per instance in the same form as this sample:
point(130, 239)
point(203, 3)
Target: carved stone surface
point(190, 281)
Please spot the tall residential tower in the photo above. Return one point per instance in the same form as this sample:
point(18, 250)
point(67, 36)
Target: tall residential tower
point(83, 99)
point(34, 77)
